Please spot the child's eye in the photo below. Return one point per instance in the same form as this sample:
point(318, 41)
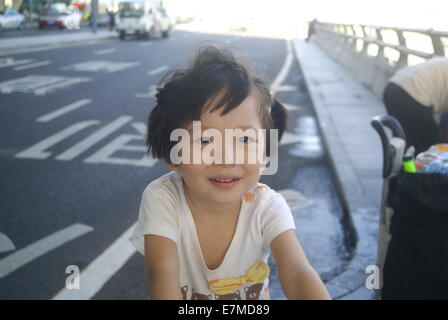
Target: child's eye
point(203, 140)
point(246, 139)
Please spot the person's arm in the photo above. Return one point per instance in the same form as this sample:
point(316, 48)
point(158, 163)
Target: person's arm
point(162, 267)
point(298, 278)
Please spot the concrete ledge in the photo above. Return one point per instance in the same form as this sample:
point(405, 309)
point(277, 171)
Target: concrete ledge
point(344, 109)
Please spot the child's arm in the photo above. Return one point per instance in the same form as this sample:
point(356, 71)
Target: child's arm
point(298, 278)
point(162, 266)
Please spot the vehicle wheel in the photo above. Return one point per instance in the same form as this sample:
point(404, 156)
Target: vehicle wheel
point(166, 34)
point(122, 35)
point(21, 26)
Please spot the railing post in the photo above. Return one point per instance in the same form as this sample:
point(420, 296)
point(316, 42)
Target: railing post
point(437, 44)
point(403, 59)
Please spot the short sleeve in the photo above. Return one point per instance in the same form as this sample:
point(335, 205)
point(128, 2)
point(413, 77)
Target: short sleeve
point(275, 218)
point(157, 216)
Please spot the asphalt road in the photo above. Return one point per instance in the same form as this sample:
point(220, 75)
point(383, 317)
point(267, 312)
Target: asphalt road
point(71, 168)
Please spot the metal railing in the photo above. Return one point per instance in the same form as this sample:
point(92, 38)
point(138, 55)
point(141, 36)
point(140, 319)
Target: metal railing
point(375, 53)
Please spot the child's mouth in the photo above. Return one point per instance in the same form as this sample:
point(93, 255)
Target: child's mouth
point(225, 183)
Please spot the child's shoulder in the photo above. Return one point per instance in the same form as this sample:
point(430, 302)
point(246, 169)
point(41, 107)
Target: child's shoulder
point(260, 193)
point(167, 185)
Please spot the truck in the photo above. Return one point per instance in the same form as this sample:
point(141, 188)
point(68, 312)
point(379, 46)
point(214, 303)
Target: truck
point(142, 18)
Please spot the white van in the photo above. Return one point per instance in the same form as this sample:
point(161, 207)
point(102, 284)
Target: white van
point(143, 18)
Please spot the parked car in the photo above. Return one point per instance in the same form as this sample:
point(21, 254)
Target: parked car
point(142, 18)
point(53, 17)
point(11, 19)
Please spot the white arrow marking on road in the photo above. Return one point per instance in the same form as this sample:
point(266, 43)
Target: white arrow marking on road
point(6, 243)
point(33, 65)
point(155, 71)
point(85, 144)
point(99, 271)
point(41, 247)
point(63, 110)
point(105, 51)
point(37, 151)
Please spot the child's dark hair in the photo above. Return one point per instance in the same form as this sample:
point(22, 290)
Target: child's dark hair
point(183, 93)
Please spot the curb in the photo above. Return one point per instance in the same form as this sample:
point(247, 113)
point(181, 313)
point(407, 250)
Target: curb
point(356, 213)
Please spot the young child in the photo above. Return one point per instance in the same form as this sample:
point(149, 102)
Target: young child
point(206, 230)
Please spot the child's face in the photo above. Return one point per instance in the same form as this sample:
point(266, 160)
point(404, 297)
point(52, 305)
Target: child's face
point(198, 178)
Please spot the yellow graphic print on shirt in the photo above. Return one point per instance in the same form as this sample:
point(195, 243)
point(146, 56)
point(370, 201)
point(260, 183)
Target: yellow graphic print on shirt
point(256, 274)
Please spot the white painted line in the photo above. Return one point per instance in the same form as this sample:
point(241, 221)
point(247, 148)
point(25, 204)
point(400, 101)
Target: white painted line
point(100, 270)
point(33, 65)
point(85, 144)
point(6, 243)
point(290, 107)
point(286, 87)
point(284, 70)
point(295, 199)
point(104, 155)
point(23, 256)
point(150, 94)
point(289, 138)
point(105, 51)
point(63, 110)
point(157, 70)
point(10, 61)
point(146, 44)
point(37, 151)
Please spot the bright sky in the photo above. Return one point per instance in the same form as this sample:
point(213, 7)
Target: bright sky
point(403, 13)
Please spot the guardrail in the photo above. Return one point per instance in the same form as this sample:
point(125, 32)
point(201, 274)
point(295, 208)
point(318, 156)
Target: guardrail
point(375, 53)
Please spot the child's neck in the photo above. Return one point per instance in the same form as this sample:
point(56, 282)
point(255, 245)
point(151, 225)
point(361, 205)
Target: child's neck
point(209, 210)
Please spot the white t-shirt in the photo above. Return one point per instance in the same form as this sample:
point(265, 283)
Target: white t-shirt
point(264, 214)
point(426, 82)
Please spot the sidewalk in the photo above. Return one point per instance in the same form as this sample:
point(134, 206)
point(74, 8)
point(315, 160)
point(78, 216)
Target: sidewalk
point(13, 45)
point(344, 109)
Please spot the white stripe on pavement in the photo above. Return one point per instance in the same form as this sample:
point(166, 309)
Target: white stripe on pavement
point(85, 144)
point(63, 110)
point(33, 65)
point(105, 51)
point(146, 44)
point(41, 247)
point(99, 271)
point(157, 70)
point(284, 71)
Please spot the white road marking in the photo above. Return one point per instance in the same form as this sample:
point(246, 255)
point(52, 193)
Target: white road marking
point(63, 110)
point(10, 62)
point(284, 88)
point(5, 243)
point(41, 247)
point(105, 51)
point(155, 71)
point(290, 107)
point(37, 151)
point(284, 70)
point(85, 144)
point(104, 155)
point(150, 94)
point(146, 44)
point(295, 199)
point(99, 271)
point(289, 138)
point(101, 65)
point(38, 84)
point(33, 65)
